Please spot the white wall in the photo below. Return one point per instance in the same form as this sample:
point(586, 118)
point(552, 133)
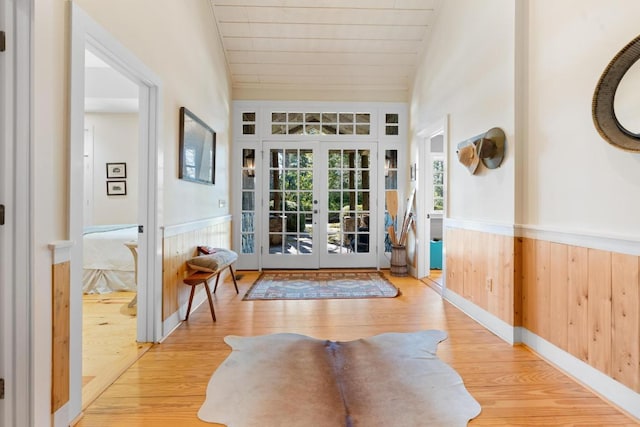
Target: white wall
point(179, 42)
point(115, 140)
point(467, 72)
point(574, 180)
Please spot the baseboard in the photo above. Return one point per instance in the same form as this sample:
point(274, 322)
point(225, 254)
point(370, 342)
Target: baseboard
point(601, 384)
point(604, 386)
point(494, 324)
point(173, 321)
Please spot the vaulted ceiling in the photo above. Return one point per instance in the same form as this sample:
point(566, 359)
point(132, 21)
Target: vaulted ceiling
point(323, 45)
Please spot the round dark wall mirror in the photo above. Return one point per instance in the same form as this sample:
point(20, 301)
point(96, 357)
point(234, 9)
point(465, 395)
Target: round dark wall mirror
point(616, 104)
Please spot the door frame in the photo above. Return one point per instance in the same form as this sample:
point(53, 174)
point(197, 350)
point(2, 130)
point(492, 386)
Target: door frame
point(87, 34)
point(439, 127)
point(16, 254)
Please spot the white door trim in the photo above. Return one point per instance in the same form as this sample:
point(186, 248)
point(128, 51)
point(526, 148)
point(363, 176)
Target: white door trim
point(86, 33)
point(439, 127)
point(16, 254)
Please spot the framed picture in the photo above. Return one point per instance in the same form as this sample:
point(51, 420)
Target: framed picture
point(116, 170)
point(197, 149)
point(116, 188)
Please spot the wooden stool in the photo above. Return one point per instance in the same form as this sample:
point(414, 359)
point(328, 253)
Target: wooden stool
point(194, 280)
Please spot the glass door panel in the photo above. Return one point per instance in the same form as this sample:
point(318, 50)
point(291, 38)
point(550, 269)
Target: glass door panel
point(290, 228)
point(348, 240)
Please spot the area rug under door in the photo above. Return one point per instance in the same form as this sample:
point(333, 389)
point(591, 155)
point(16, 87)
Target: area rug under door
point(321, 285)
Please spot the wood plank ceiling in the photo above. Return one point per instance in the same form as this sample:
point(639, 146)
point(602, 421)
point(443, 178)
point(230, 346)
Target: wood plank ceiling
point(323, 45)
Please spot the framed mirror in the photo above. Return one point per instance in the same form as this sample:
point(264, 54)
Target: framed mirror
point(197, 149)
point(616, 105)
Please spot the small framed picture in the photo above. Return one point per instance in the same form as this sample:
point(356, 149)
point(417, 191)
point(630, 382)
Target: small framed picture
point(116, 188)
point(116, 170)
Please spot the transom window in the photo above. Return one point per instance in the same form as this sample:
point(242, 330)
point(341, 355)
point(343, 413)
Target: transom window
point(317, 123)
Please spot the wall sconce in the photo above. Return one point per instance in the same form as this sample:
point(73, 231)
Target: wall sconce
point(249, 161)
point(387, 165)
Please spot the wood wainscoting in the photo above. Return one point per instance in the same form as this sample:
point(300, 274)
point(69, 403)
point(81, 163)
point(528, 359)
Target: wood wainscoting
point(480, 267)
point(585, 301)
point(179, 245)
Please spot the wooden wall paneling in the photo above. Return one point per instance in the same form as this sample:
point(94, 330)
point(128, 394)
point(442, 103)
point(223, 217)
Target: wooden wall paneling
point(529, 302)
point(578, 313)
point(467, 266)
point(454, 255)
point(625, 293)
point(177, 250)
point(61, 283)
point(518, 278)
point(482, 248)
point(600, 310)
point(559, 295)
point(495, 289)
point(507, 278)
point(542, 289)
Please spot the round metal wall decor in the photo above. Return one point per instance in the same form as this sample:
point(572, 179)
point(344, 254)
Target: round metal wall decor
point(606, 121)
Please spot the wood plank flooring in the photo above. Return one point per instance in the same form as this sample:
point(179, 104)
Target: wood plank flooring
point(166, 386)
point(109, 344)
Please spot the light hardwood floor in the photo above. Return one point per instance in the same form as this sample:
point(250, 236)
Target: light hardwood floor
point(109, 344)
point(166, 386)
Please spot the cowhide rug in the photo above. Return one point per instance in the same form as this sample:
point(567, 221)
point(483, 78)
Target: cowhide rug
point(392, 379)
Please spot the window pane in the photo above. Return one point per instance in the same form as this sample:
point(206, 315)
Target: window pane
point(248, 222)
point(306, 202)
point(276, 159)
point(312, 117)
point(278, 117)
point(306, 159)
point(329, 129)
point(312, 129)
point(364, 158)
point(345, 129)
point(291, 180)
point(278, 130)
point(248, 201)
point(363, 118)
point(362, 130)
point(248, 117)
point(391, 118)
point(248, 244)
point(291, 202)
point(275, 201)
point(306, 180)
point(329, 118)
point(296, 129)
point(248, 129)
point(391, 130)
point(295, 117)
point(291, 158)
point(346, 117)
point(275, 181)
point(248, 181)
point(335, 159)
point(334, 179)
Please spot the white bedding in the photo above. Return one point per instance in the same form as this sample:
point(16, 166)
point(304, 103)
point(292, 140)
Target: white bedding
point(108, 264)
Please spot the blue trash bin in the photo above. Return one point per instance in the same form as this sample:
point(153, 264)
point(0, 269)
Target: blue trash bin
point(436, 254)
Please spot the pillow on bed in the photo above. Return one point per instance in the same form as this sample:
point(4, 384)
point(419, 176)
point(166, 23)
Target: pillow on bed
point(208, 263)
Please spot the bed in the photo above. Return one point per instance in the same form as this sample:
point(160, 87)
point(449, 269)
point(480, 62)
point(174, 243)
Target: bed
point(108, 264)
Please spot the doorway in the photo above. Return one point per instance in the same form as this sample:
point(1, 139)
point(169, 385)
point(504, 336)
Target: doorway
point(110, 232)
point(321, 205)
point(432, 202)
point(86, 34)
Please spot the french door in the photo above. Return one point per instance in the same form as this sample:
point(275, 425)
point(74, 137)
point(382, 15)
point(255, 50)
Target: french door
point(320, 201)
